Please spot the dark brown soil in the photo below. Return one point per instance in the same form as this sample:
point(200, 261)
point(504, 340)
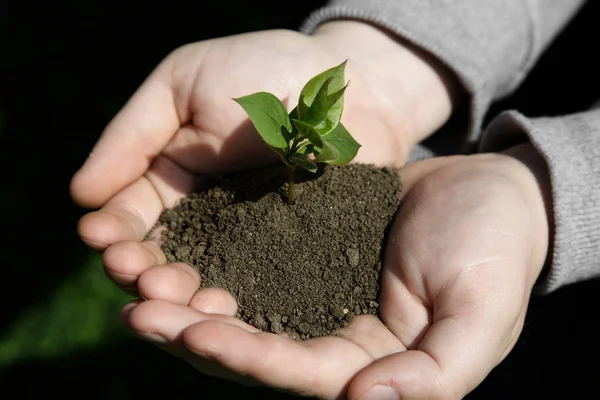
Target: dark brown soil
point(305, 269)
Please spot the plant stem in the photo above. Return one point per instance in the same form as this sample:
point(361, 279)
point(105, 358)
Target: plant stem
point(291, 185)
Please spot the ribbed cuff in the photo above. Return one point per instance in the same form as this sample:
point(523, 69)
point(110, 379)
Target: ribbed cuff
point(571, 147)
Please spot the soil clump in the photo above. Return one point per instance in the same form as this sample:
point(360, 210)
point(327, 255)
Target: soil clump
point(305, 269)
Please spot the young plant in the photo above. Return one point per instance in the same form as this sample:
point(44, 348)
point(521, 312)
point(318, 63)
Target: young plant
point(312, 132)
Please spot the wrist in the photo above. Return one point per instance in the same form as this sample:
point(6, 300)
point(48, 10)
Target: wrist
point(538, 185)
point(411, 84)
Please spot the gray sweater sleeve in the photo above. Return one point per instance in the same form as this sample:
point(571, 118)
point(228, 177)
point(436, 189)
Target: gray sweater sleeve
point(571, 147)
point(489, 44)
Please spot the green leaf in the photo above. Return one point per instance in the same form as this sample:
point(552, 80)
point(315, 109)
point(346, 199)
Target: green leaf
point(339, 147)
point(303, 163)
point(312, 88)
point(326, 110)
point(308, 132)
point(315, 113)
point(327, 154)
point(269, 116)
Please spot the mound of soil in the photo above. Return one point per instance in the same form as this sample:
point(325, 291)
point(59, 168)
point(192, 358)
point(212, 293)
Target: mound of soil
point(305, 269)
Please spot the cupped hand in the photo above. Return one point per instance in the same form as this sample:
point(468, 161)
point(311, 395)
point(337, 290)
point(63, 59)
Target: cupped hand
point(467, 245)
point(182, 124)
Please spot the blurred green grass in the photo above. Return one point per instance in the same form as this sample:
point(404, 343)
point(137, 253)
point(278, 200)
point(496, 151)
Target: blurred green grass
point(81, 315)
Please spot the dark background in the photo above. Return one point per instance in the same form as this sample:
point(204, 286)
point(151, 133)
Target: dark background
point(65, 70)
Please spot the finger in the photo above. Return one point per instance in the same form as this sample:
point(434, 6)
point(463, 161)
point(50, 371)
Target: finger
point(163, 322)
point(176, 283)
point(319, 367)
point(131, 140)
point(133, 212)
point(175, 350)
point(473, 326)
point(128, 216)
point(411, 374)
point(124, 262)
point(214, 301)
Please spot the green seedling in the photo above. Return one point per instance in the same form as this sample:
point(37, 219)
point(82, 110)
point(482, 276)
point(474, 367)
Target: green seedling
point(312, 132)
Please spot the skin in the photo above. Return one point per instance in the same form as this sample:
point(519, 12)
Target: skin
point(468, 243)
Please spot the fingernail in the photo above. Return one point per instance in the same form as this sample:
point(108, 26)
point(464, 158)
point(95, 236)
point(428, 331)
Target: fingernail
point(126, 310)
point(129, 306)
point(153, 337)
point(380, 392)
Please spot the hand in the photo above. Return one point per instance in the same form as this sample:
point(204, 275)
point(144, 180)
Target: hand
point(182, 124)
point(466, 248)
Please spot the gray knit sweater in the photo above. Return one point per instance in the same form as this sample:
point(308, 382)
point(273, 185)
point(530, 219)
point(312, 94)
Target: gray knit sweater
point(491, 45)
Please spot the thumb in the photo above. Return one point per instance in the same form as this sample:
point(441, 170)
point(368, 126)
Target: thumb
point(412, 374)
point(475, 323)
